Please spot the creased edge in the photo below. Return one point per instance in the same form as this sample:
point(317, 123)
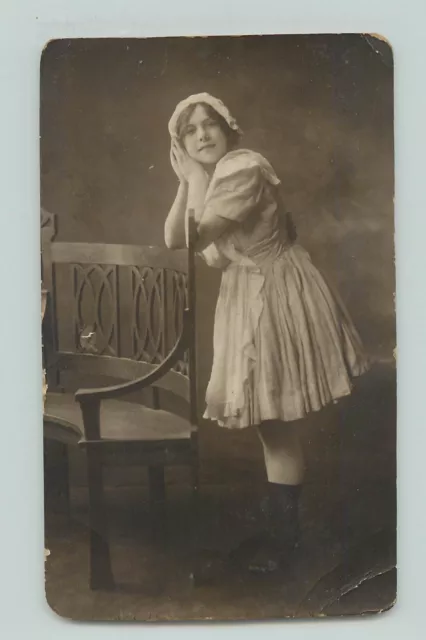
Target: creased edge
point(354, 584)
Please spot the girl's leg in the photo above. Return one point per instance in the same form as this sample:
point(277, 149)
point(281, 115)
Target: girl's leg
point(285, 470)
point(283, 452)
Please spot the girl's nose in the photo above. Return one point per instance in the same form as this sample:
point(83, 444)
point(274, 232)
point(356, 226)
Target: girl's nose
point(202, 134)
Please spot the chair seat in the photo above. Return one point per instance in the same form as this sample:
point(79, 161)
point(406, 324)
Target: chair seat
point(119, 420)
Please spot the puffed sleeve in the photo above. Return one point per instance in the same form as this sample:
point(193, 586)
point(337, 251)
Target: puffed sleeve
point(236, 187)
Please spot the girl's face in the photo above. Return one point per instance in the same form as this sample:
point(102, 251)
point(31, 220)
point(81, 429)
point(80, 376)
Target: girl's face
point(203, 137)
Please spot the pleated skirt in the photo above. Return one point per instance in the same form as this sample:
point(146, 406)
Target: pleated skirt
point(284, 344)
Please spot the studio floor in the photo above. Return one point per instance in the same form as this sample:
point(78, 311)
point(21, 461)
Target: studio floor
point(344, 565)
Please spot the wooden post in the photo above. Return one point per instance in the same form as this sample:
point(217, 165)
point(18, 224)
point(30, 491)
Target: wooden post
point(100, 574)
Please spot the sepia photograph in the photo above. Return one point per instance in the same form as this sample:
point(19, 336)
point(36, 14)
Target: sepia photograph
point(218, 327)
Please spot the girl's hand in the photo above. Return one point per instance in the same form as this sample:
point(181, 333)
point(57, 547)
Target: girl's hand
point(175, 164)
point(184, 166)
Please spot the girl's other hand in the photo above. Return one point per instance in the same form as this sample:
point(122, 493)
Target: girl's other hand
point(184, 166)
point(174, 162)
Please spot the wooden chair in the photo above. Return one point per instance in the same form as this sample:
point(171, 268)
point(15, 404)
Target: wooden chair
point(126, 313)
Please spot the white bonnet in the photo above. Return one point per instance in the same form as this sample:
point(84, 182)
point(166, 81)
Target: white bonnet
point(215, 103)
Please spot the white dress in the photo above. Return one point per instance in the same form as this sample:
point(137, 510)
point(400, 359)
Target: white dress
point(284, 345)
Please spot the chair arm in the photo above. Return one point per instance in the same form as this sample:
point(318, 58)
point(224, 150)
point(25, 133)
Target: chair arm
point(118, 390)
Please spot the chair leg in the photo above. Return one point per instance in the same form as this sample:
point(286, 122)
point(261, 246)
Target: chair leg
point(157, 494)
point(195, 477)
point(101, 576)
point(56, 468)
point(195, 518)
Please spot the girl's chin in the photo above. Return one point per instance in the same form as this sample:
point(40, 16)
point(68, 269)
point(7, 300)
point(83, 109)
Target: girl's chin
point(210, 159)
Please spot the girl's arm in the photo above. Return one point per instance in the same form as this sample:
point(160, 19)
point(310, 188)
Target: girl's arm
point(197, 188)
point(191, 195)
point(192, 174)
point(174, 227)
point(236, 195)
point(210, 229)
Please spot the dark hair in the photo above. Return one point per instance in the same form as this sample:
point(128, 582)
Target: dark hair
point(290, 227)
point(232, 136)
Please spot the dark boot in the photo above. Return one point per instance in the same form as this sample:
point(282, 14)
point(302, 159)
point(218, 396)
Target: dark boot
point(283, 537)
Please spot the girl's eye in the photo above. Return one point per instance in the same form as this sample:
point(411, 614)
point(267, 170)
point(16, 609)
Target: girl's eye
point(189, 131)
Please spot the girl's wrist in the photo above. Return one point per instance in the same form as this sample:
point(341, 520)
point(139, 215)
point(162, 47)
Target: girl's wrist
point(197, 175)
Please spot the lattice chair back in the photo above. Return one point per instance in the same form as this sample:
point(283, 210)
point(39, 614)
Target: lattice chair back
point(117, 310)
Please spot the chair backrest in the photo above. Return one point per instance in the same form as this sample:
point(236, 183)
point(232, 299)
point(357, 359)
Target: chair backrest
point(117, 310)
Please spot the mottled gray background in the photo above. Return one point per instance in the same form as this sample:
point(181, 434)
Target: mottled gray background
point(319, 107)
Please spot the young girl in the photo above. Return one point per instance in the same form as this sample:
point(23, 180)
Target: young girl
point(284, 346)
